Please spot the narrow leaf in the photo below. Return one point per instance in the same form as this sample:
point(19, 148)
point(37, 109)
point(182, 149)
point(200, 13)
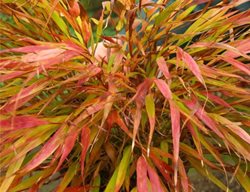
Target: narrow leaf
point(141, 175)
point(192, 65)
point(150, 107)
point(68, 145)
point(10, 175)
point(68, 177)
point(244, 179)
point(202, 115)
point(175, 120)
point(85, 142)
point(164, 88)
point(155, 180)
point(237, 64)
point(20, 122)
point(123, 168)
point(163, 67)
point(49, 147)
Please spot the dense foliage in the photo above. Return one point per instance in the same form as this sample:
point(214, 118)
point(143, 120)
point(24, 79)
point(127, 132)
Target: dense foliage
point(167, 92)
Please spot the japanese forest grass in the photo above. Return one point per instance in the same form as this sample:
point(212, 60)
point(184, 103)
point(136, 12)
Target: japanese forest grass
point(165, 91)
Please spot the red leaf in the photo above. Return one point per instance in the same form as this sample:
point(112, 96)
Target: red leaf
point(20, 122)
point(192, 65)
point(77, 189)
point(51, 145)
point(114, 117)
point(164, 168)
point(175, 120)
point(69, 143)
point(141, 173)
point(164, 88)
point(85, 142)
point(163, 67)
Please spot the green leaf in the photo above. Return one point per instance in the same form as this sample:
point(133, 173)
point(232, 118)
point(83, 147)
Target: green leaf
point(28, 182)
point(243, 179)
point(68, 176)
point(111, 184)
point(10, 175)
point(166, 13)
point(197, 165)
point(60, 23)
point(123, 168)
point(96, 184)
point(150, 106)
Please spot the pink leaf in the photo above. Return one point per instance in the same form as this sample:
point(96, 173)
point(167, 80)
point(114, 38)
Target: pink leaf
point(142, 91)
point(42, 55)
point(163, 67)
point(243, 46)
point(175, 120)
point(139, 98)
point(237, 64)
point(184, 177)
point(154, 179)
point(137, 120)
point(217, 99)
point(27, 49)
point(20, 122)
point(202, 115)
point(164, 88)
point(11, 75)
point(141, 173)
point(192, 65)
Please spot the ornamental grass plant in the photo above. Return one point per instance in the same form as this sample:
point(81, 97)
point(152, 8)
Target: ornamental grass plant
point(130, 99)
